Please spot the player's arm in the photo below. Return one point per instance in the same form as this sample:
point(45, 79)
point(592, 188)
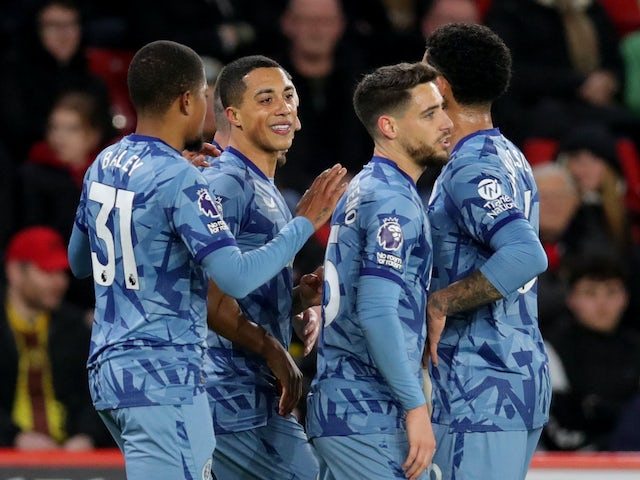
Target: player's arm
point(518, 257)
point(237, 273)
point(377, 307)
point(79, 253)
point(225, 317)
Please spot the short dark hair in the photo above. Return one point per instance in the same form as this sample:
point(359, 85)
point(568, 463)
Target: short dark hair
point(160, 72)
point(222, 123)
point(473, 59)
point(231, 79)
point(386, 90)
point(596, 266)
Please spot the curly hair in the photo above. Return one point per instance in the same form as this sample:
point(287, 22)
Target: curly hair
point(386, 90)
point(473, 59)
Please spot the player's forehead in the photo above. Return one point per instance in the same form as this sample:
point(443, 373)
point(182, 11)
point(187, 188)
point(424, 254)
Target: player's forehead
point(426, 95)
point(267, 80)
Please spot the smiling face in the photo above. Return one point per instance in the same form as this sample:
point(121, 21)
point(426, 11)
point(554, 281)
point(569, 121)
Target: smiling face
point(425, 128)
point(267, 115)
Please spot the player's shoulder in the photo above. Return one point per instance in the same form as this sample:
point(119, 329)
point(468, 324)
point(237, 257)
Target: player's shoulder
point(380, 198)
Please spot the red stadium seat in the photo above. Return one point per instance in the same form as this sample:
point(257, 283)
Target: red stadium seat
point(540, 150)
point(625, 15)
point(111, 65)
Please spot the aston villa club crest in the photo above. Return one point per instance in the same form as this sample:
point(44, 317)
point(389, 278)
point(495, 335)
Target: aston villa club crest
point(390, 235)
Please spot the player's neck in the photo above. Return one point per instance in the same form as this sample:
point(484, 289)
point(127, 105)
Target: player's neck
point(468, 120)
point(401, 159)
point(265, 161)
point(162, 129)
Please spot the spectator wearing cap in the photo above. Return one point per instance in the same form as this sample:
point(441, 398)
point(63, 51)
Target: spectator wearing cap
point(44, 400)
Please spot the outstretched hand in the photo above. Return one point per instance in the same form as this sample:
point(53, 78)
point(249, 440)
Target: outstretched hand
point(199, 159)
point(320, 199)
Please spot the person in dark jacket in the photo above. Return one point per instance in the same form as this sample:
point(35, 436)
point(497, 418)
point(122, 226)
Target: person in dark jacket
point(44, 400)
point(594, 360)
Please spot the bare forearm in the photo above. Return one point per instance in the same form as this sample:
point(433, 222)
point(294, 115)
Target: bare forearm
point(225, 317)
point(470, 292)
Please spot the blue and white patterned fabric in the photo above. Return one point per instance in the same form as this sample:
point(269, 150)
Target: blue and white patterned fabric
point(493, 373)
point(379, 230)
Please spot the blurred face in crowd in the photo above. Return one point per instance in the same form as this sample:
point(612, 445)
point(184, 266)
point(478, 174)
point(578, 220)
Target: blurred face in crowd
point(558, 203)
point(598, 303)
point(60, 32)
point(70, 137)
point(587, 169)
point(449, 11)
point(39, 289)
point(313, 26)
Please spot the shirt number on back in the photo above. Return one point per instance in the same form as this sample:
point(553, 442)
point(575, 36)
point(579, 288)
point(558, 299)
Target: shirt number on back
point(109, 198)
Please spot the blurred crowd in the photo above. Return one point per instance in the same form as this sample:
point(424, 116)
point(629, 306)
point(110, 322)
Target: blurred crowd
point(573, 108)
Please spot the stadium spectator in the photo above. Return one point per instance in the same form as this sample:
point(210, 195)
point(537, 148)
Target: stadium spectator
point(441, 12)
point(324, 67)
point(595, 362)
point(77, 129)
point(559, 201)
point(220, 29)
point(45, 401)
point(48, 60)
point(51, 178)
point(588, 151)
point(567, 67)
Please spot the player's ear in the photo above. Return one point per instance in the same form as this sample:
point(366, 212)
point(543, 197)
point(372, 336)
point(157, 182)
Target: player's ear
point(234, 116)
point(184, 102)
point(444, 86)
point(387, 126)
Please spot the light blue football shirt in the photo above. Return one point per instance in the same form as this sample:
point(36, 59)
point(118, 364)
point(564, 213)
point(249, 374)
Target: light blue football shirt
point(150, 220)
point(379, 228)
point(493, 373)
point(241, 387)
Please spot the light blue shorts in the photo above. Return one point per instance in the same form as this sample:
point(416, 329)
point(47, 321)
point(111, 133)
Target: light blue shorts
point(279, 450)
point(371, 457)
point(164, 441)
point(482, 455)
